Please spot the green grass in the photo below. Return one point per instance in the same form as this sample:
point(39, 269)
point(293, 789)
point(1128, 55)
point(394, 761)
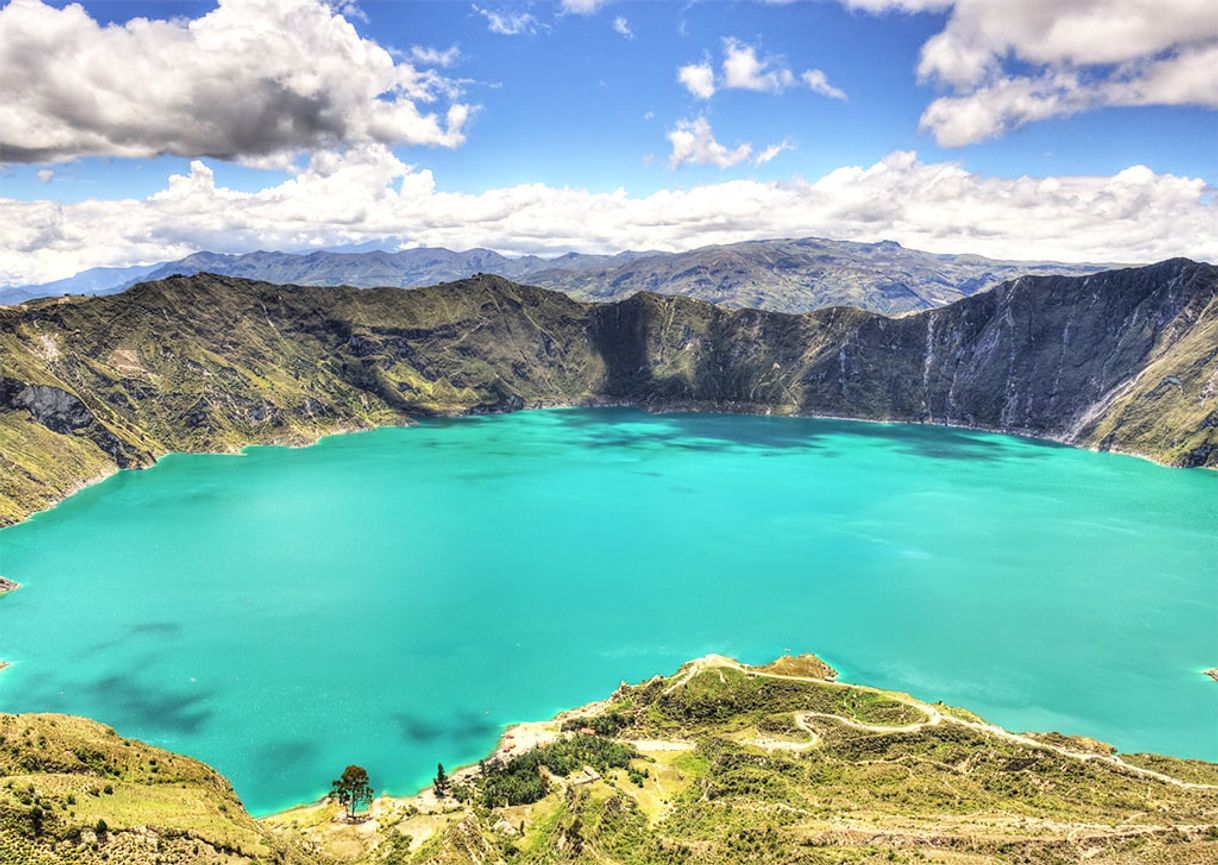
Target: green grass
point(947, 793)
point(61, 775)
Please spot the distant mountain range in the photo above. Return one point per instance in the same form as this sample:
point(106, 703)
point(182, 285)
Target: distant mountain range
point(1123, 360)
point(777, 275)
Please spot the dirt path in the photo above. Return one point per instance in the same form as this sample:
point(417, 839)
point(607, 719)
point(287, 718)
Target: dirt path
point(933, 718)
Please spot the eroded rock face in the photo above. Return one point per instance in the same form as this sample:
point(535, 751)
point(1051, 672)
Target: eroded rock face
point(64, 413)
point(53, 407)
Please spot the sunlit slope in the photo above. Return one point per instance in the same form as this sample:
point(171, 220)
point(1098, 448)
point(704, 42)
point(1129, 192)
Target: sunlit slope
point(73, 790)
point(718, 763)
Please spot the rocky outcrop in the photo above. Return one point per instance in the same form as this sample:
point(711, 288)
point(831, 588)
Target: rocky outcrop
point(53, 407)
point(1123, 360)
point(62, 412)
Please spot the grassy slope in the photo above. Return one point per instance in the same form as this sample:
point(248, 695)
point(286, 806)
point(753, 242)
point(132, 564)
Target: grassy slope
point(739, 768)
point(1124, 360)
point(723, 764)
point(157, 806)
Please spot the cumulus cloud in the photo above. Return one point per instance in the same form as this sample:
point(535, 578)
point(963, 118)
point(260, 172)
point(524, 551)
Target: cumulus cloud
point(1008, 64)
point(252, 79)
point(508, 22)
point(369, 194)
point(45, 175)
point(699, 79)
point(743, 69)
point(693, 142)
point(622, 27)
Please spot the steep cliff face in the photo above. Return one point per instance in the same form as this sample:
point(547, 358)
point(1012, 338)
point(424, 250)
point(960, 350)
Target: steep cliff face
point(1123, 360)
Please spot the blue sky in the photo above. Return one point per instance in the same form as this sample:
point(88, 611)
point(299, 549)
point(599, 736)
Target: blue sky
point(588, 98)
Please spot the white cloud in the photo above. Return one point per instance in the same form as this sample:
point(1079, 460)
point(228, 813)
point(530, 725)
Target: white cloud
point(582, 7)
point(1072, 57)
point(743, 70)
point(902, 5)
point(426, 55)
point(252, 79)
point(45, 175)
point(367, 193)
point(622, 27)
point(508, 22)
point(348, 9)
point(773, 150)
point(699, 79)
point(818, 82)
point(693, 142)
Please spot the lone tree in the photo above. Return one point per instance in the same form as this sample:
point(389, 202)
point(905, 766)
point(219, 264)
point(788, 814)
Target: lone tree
point(352, 790)
point(441, 782)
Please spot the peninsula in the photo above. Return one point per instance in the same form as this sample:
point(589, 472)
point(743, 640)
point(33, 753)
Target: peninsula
point(718, 763)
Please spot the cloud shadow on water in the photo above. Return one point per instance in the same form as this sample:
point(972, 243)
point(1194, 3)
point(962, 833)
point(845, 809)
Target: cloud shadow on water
point(124, 702)
point(130, 703)
point(693, 431)
point(150, 631)
point(459, 730)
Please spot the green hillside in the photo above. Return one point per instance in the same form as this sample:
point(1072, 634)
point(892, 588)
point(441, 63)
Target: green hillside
point(719, 763)
point(74, 791)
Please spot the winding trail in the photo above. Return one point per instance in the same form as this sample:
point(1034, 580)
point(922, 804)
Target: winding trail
point(934, 718)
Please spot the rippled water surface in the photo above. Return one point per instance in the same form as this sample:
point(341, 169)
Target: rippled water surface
point(393, 598)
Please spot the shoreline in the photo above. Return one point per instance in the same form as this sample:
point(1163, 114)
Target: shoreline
point(524, 736)
point(728, 409)
point(518, 737)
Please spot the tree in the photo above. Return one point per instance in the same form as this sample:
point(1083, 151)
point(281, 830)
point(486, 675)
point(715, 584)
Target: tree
point(37, 817)
point(441, 782)
point(352, 790)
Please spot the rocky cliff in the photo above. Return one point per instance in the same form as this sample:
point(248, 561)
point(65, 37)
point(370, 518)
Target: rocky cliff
point(1123, 360)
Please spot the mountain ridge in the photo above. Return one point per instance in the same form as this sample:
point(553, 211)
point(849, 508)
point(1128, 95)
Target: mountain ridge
point(1124, 360)
point(786, 274)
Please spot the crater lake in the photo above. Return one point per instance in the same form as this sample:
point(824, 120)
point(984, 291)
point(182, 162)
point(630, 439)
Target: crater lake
point(395, 597)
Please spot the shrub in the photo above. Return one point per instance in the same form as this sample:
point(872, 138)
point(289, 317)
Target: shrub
point(519, 781)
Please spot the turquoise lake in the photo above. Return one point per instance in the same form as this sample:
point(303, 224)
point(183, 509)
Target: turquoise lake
point(394, 598)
